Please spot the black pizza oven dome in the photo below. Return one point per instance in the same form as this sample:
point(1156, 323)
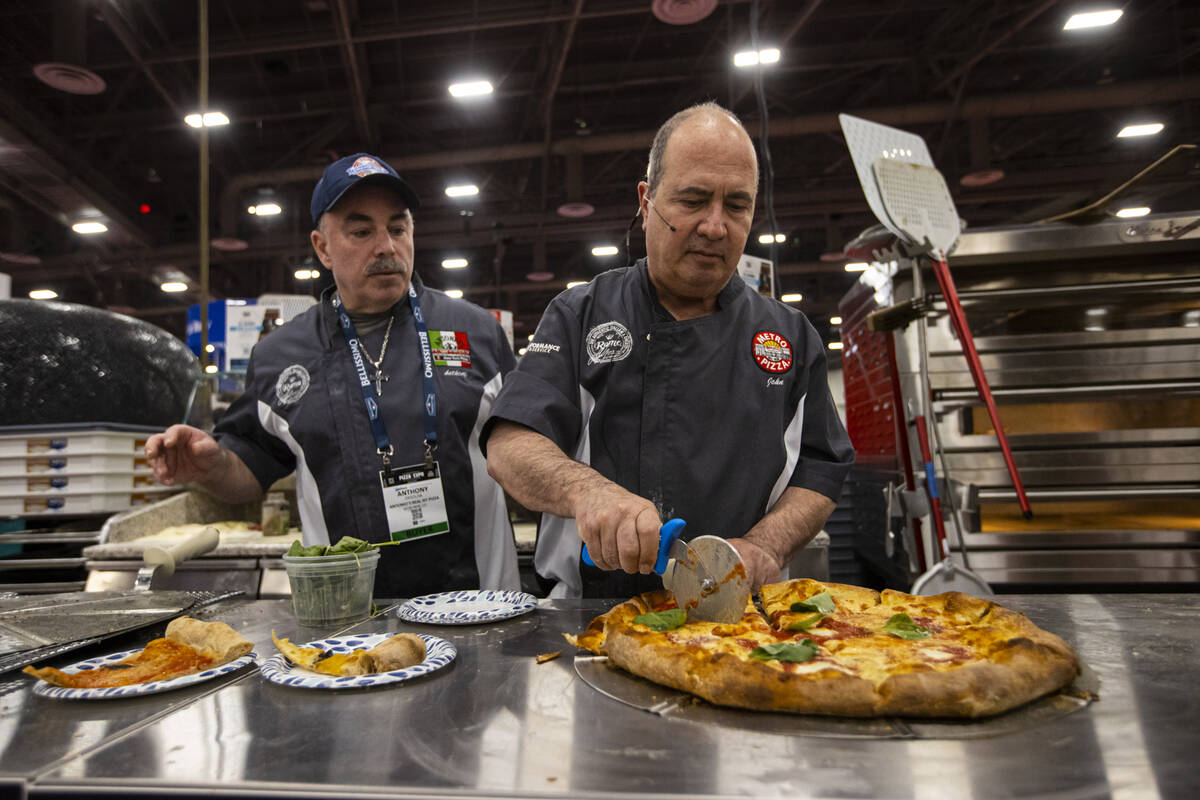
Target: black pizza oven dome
point(62, 363)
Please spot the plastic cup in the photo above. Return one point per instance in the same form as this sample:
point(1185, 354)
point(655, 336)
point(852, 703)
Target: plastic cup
point(328, 590)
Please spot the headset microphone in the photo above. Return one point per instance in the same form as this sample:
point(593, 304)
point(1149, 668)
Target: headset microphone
point(660, 216)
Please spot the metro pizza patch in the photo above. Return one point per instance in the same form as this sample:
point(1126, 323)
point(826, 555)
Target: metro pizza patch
point(772, 352)
point(450, 348)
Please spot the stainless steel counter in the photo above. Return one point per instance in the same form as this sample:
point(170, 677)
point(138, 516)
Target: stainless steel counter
point(495, 723)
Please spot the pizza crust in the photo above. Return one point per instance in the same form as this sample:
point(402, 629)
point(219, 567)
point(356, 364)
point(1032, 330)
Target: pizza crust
point(983, 659)
point(216, 639)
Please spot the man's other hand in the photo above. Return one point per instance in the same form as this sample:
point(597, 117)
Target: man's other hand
point(182, 454)
point(761, 566)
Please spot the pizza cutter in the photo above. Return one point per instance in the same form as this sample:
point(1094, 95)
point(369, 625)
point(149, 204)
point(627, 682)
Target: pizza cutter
point(706, 575)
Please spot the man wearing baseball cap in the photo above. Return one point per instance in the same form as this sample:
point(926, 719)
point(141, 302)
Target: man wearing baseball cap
point(375, 398)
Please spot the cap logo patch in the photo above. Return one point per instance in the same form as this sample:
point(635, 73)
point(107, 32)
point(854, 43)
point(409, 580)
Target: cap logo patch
point(292, 384)
point(365, 166)
point(772, 352)
point(608, 342)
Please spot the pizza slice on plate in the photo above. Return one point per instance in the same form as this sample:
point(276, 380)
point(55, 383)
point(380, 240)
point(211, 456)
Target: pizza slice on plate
point(189, 646)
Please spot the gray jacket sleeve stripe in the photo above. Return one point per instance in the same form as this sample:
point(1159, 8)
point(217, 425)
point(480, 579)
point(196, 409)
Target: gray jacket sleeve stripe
point(495, 553)
point(312, 517)
point(558, 545)
point(792, 438)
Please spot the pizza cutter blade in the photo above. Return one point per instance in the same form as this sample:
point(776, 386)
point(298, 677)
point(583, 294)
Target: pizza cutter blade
point(708, 579)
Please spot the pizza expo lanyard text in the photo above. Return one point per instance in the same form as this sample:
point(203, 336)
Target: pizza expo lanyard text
point(412, 495)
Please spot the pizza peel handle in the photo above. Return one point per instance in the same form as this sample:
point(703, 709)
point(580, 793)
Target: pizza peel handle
point(166, 559)
point(667, 535)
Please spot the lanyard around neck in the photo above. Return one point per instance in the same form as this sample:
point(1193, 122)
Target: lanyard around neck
point(370, 399)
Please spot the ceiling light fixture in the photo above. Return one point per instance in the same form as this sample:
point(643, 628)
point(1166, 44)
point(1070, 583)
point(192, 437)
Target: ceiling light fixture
point(462, 190)
point(174, 286)
point(749, 58)
point(857, 266)
point(835, 320)
point(43, 294)
point(1140, 129)
point(1133, 211)
point(211, 369)
point(89, 228)
point(265, 209)
point(795, 297)
point(454, 263)
point(835, 345)
point(471, 88)
point(605, 250)
point(306, 274)
point(521, 351)
point(454, 293)
point(1092, 19)
point(211, 119)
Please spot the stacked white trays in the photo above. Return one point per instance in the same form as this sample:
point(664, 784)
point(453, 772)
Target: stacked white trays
point(77, 471)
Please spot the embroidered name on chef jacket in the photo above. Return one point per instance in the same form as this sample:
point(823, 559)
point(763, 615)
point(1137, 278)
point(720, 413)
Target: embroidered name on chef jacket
point(450, 348)
point(772, 352)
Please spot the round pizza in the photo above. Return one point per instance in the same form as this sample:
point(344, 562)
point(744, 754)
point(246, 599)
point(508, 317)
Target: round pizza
point(833, 649)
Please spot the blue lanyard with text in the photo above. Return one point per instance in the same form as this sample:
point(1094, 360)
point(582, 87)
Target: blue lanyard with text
point(374, 417)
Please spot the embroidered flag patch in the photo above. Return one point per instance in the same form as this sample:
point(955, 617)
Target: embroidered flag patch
point(772, 352)
point(450, 348)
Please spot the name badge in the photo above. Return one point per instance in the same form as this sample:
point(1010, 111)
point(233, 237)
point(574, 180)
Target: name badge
point(415, 502)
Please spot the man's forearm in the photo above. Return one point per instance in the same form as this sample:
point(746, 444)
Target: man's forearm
point(232, 481)
point(536, 472)
point(795, 519)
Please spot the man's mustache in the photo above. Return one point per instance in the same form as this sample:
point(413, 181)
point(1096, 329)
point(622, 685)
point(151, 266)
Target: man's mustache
point(385, 266)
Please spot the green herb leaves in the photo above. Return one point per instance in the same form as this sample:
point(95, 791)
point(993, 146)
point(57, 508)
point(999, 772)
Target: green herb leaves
point(902, 626)
point(344, 546)
point(795, 652)
point(667, 620)
point(807, 622)
point(818, 602)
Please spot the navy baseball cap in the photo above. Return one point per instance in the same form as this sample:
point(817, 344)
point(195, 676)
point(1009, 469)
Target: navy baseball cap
point(345, 173)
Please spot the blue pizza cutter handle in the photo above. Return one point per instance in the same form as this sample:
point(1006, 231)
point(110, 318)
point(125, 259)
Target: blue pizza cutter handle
point(667, 535)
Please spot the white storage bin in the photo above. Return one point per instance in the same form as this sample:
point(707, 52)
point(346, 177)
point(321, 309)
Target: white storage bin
point(36, 505)
point(74, 464)
point(63, 483)
point(71, 442)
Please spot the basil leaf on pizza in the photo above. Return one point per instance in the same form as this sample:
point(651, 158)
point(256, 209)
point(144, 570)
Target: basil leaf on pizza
point(818, 602)
point(902, 626)
point(667, 620)
point(806, 623)
point(795, 652)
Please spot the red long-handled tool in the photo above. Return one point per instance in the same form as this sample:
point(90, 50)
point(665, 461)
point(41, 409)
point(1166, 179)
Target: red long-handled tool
point(959, 319)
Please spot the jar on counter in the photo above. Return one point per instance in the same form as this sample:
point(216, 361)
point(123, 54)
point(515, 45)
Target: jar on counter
point(276, 514)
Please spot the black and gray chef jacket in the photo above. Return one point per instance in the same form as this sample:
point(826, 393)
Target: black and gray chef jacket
point(711, 419)
point(303, 410)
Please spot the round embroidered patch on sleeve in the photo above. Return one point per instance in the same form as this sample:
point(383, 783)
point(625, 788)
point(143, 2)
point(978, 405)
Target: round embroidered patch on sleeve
point(772, 352)
point(293, 382)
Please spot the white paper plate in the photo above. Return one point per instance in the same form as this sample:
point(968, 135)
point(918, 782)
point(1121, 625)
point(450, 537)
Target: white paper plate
point(64, 693)
point(467, 607)
point(438, 653)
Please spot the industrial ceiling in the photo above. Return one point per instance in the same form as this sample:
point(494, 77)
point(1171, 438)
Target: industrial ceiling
point(1023, 110)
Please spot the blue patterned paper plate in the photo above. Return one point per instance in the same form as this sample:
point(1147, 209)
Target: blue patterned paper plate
point(467, 607)
point(151, 687)
point(438, 653)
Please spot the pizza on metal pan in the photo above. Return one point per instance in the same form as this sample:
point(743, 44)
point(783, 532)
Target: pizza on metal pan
point(189, 646)
point(833, 649)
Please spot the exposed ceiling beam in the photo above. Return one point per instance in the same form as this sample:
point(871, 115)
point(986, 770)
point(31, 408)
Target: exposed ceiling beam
point(341, 17)
point(965, 66)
